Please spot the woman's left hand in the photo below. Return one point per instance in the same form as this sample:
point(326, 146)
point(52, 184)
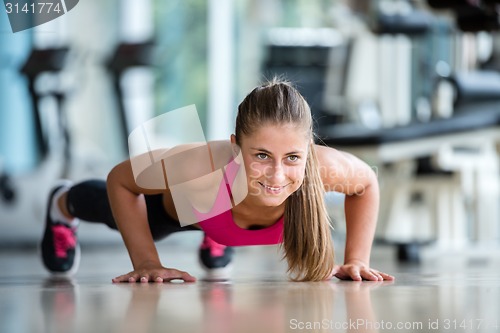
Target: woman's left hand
point(357, 270)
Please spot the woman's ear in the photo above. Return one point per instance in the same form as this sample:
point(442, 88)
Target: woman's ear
point(234, 146)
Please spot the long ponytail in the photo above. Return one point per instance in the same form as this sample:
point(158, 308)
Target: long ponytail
point(307, 242)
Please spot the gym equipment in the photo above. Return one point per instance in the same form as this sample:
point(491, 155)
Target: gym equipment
point(415, 22)
point(41, 61)
point(126, 56)
point(472, 16)
point(466, 144)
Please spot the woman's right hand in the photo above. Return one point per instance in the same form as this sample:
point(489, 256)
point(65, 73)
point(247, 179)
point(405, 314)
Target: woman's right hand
point(154, 273)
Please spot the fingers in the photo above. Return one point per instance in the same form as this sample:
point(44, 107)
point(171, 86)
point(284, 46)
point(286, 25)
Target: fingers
point(131, 277)
point(349, 272)
point(158, 276)
point(371, 275)
point(374, 275)
point(357, 273)
point(387, 277)
point(188, 277)
point(174, 274)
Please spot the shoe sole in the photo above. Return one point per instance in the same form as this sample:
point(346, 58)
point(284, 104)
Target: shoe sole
point(216, 274)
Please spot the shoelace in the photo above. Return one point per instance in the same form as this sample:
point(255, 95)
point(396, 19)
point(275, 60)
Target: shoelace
point(216, 249)
point(64, 239)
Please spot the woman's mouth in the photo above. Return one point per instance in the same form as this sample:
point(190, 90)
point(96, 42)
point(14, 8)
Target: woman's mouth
point(272, 189)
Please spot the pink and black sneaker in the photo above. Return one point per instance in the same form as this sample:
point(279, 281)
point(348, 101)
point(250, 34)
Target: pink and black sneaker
point(215, 259)
point(59, 247)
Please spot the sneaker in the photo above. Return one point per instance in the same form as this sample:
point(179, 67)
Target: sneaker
point(59, 248)
point(215, 259)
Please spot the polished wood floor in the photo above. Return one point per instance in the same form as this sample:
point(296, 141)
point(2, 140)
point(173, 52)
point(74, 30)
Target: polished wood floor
point(449, 293)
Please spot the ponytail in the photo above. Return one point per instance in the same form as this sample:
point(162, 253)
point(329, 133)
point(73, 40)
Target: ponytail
point(307, 242)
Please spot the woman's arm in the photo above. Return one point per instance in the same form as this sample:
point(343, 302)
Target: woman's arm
point(344, 173)
point(129, 211)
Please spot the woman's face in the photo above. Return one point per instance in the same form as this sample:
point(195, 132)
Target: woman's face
point(275, 161)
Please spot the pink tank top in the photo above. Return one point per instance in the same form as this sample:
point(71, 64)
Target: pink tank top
point(223, 229)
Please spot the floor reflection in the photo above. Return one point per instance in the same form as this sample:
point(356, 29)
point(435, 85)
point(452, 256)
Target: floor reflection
point(433, 298)
point(58, 304)
point(212, 307)
point(277, 306)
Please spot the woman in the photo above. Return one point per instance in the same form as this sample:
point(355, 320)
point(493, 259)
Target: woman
point(285, 178)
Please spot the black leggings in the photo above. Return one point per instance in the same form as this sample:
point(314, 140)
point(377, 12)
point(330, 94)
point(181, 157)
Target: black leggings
point(89, 201)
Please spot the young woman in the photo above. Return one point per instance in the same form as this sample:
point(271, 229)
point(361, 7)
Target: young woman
point(285, 178)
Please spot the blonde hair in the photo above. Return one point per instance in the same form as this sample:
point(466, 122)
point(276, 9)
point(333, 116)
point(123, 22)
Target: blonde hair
point(307, 241)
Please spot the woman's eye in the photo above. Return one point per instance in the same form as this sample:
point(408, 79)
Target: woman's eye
point(261, 156)
point(293, 158)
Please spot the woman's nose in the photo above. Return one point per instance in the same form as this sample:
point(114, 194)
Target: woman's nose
point(276, 175)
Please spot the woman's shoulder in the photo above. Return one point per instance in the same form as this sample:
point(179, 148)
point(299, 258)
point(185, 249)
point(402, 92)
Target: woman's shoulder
point(220, 145)
point(196, 150)
point(190, 161)
point(161, 168)
point(221, 152)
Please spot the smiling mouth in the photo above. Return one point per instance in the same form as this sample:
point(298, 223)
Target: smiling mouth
point(273, 188)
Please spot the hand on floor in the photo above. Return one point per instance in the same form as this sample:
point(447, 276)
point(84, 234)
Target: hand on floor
point(357, 270)
point(154, 273)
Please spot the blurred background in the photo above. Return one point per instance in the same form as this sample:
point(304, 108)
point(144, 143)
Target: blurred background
point(411, 87)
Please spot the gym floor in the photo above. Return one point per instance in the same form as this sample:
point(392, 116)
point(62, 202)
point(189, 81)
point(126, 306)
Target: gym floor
point(450, 293)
